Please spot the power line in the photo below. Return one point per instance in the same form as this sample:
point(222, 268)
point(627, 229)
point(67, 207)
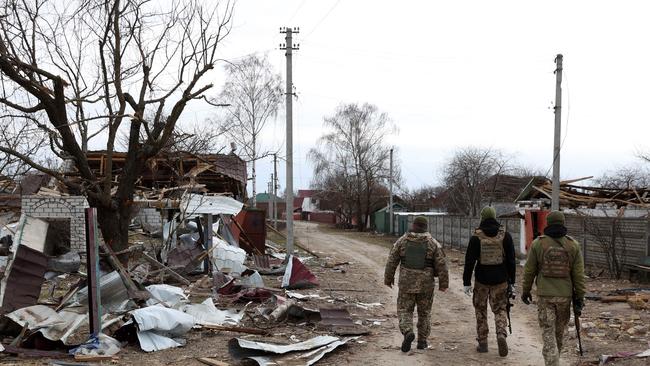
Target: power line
point(296, 11)
point(322, 19)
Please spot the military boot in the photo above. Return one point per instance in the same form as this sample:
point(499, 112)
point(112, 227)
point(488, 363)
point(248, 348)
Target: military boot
point(422, 344)
point(503, 346)
point(408, 339)
point(482, 348)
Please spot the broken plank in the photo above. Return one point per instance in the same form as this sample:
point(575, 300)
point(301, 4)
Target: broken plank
point(94, 358)
point(174, 274)
point(624, 298)
point(212, 361)
point(131, 288)
point(236, 329)
point(25, 352)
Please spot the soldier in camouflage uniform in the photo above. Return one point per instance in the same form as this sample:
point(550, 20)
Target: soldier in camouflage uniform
point(556, 265)
point(491, 257)
point(420, 258)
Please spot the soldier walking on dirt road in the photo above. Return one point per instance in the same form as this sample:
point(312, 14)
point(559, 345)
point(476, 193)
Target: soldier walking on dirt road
point(556, 265)
point(491, 256)
point(420, 258)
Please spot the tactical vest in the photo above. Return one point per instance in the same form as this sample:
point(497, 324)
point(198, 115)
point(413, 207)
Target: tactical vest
point(415, 254)
point(491, 247)
point(556, 257)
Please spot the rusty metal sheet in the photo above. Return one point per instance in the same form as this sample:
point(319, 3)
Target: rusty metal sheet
point(23, 284)
point(262, 261)
point(184, 254)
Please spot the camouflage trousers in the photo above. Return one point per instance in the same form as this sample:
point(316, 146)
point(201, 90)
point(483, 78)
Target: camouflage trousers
point(405, 305)
point(496, 295)
point(553, 314)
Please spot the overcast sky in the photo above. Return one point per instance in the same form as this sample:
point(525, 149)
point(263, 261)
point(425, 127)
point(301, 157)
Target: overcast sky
point(458, 73)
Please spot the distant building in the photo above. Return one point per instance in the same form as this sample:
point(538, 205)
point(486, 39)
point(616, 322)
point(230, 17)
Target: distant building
point(264, 201)
point(380, 219)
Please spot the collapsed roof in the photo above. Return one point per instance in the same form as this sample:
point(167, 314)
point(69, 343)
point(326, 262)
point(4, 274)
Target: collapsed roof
point(575, 196)
point(218, 173)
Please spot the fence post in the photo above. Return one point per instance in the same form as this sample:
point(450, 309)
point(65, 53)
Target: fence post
point(92, 268)
point(451, 232)
point(443, 231)
point(584, 239)
point(647, 237)
point(460, 236)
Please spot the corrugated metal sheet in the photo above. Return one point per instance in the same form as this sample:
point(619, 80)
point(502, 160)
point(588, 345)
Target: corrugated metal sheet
point(193, 204)
point(23, 284)
point(340, 316)
point(261, 261)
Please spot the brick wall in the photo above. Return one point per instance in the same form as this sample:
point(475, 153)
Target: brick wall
point(150, 219)
point(68, 207)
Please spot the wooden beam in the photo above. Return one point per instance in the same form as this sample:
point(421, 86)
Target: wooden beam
point(174, 274)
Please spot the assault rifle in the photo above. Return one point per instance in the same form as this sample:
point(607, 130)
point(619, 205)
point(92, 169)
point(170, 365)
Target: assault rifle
point(509, 295)
point(576, 316)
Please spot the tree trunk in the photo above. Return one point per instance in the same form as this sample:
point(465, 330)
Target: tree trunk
point(254, 184)
point(254, 157)
point(114, 227)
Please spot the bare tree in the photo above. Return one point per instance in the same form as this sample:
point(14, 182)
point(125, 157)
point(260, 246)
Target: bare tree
point(254, 91)
point(607, 233)
point(354, 155)
point(420, 199)
point(96, 67)
point(18, 135)
point(626, 177)
point(465, 174)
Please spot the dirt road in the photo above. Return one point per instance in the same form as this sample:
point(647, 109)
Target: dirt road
point(453, 335)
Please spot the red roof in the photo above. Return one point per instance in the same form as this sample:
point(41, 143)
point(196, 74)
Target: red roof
point(297, 202)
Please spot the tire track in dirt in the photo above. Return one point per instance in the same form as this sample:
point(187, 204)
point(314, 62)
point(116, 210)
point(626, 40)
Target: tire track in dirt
point(452, 340)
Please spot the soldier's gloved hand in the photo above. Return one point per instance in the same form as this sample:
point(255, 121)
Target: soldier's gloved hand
point(578, 305)
point(526, 297)
point(511, 291)
point(467, 290)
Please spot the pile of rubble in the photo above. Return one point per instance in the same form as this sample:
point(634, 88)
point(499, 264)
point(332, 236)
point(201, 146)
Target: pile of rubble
point(203, 270)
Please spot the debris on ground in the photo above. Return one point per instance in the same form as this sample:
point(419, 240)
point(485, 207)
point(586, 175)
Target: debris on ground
point(201, 271)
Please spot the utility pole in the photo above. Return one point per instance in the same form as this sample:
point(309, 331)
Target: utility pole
point(289, 47)
point(275, 190)
point(390, 199)
point(271, 201)
point(555, 194)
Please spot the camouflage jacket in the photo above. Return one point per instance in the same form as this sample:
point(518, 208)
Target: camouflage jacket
point(414, 280)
